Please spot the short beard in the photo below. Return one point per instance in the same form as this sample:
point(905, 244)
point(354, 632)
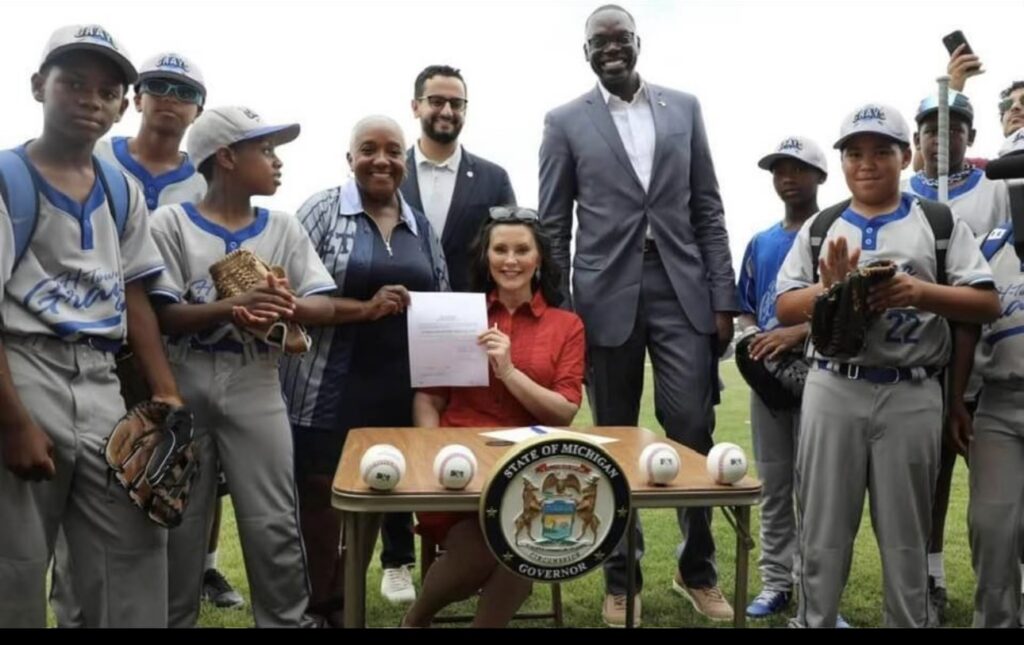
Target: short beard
point(440, 137)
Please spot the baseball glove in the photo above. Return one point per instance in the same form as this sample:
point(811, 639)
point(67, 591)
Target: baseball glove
point(841, 316)
point(778, 383)
point(241, 271)
point(152, 455)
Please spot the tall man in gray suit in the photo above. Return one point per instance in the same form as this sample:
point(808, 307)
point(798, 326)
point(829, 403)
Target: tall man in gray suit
point(652, 269)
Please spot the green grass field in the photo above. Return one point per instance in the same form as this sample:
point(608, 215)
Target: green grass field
point(661, 606)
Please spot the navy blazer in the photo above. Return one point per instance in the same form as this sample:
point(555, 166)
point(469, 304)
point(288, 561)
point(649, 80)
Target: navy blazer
point(479, 185)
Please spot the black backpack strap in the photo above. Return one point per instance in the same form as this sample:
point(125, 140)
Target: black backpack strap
point(819, 229)
point(940, 218)
point(1017, 214)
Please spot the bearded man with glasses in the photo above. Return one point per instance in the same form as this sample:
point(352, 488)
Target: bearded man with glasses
point(452, 187)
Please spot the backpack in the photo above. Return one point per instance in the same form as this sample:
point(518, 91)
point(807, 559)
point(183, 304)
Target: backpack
point(20, 191)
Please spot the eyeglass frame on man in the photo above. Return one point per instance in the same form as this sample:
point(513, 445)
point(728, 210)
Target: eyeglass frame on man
point(513, 213)
point(172, 89)
point(623, 39)
point(458, 103)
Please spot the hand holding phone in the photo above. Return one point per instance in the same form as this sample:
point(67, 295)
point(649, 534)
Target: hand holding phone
point(963, 62)
point(954, 40)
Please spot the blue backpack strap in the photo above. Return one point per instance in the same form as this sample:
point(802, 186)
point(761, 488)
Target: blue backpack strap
point(115, 186)
point(995, 240)
point(819, 229)
point(18, 189)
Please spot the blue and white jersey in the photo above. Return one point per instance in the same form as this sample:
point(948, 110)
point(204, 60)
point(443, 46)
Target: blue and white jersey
point(981, 202)
point(70, 283)
point(761, 262)
point(343, 236)
point(183, 184)
point(190, 244)
point(906, 337)
point(1000, 352)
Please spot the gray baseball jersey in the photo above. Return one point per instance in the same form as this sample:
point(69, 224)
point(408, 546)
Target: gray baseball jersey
point(1000, 353)
point(906, 337)
point(190, 243)
point(981, 202)
point(70, 281)
point(183, 184)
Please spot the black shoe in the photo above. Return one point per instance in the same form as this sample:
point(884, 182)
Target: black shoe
point(218, 590)
point(938, 599)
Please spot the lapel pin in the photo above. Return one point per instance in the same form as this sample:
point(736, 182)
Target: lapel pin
point(469, 173)
point(662, 103)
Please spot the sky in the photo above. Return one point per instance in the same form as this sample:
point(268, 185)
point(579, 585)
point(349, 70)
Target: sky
point(762, 69)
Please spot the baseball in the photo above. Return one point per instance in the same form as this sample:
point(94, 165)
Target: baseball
point(382, 466)
point(726, 463)
point(659, 463)
point(454, 466)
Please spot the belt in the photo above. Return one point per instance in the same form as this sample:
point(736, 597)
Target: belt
point(878, 375)
point(229, 345)
point(650, 246)
point(100, 344)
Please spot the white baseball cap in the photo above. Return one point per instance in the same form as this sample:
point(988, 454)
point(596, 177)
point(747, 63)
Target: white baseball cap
point(89, 38)
point(218, 128)
point(172, 66)
point(874, 118)
point(799, 148)
point(1013, 145)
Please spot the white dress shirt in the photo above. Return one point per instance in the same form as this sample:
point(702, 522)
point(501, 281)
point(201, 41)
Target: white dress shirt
point(437, 185)
point(635, 124)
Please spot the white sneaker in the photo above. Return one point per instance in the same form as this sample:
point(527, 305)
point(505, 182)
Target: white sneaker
point(396, 585)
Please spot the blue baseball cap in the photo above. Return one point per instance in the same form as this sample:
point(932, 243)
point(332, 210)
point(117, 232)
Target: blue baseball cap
point(958, 104)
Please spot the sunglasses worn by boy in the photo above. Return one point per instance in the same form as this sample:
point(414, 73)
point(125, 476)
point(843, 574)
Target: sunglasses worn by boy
point(181, 91)
point(502, 213)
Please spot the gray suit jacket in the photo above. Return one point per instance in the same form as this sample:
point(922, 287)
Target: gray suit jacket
point(582, 160)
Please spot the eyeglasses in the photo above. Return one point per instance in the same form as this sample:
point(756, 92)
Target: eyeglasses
point(623, 39)
point(181, 91)
point(437, 102)
point(1007, 103)
point(502, 213)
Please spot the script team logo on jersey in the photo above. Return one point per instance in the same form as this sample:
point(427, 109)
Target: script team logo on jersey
point(870, 113)
point(555, 508)
point(95, 32)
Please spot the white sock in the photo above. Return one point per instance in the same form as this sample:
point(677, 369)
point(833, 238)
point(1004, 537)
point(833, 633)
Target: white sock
point(936, 569)
point(211, 560)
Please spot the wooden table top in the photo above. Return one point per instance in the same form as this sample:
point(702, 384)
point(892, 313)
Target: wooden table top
point(419, 489)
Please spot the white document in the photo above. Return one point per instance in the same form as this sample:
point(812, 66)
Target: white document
point(517, 435)
point(443, 328)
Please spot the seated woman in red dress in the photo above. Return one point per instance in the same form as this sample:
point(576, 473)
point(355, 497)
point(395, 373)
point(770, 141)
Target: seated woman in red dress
point(536, 355)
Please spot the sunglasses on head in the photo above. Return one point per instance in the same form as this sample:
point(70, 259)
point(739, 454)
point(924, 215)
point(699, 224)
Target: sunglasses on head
point(518, 213)
point(181, 91)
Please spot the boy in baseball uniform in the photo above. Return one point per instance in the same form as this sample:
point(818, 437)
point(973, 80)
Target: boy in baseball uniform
point(984, 204)
point(872, 423)
point(994, 440)
point(228, 374)
point(798, 167)
point(71, 294)
point(169, 93)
